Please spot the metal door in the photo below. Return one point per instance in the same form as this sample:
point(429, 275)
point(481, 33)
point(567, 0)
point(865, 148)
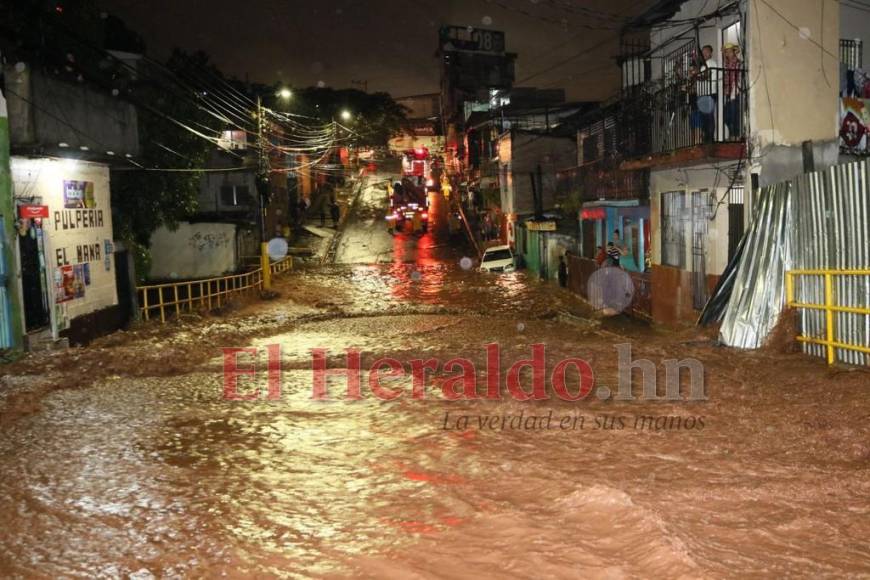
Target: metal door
point(699, 249)
point(36, 314)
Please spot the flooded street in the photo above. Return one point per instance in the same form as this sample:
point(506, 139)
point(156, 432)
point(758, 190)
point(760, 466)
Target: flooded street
point(129, 462)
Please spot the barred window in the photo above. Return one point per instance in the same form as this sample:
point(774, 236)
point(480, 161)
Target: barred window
point(674, 229)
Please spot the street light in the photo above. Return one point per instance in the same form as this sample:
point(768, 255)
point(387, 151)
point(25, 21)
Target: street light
point(346, 115)
point(285, 93)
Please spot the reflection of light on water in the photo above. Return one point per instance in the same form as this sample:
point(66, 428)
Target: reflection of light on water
point(513, 284)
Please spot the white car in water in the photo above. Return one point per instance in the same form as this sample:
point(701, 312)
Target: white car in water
point(497, 259)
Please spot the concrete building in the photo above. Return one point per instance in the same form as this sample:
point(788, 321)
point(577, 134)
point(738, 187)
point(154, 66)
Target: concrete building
point(425, 124)
point(64, 138)
point(760, 106)
point(530, 215)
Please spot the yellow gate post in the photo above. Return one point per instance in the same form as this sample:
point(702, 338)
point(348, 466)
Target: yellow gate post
point(264, 265)
point(830, 306)
point(829, 316)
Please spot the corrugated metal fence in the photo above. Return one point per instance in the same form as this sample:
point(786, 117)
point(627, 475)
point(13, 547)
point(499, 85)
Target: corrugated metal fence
point(817, 221)
point(833, 233)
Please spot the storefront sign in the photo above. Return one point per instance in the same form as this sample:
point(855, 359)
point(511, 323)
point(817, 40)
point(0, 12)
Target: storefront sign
point(593, 213)
point(76, 263)
point(32, 211)
point(541, 226)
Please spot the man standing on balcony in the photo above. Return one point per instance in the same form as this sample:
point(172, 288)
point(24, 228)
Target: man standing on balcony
point(706, 82)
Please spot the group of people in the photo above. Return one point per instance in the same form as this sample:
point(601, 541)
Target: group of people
point(299, 211)
point(706, 79)
point(489, 229)
point(611, 255)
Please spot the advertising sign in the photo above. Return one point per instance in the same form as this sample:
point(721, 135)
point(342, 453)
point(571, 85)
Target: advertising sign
point(32, 211)
point(548, 226)
point(78, 194)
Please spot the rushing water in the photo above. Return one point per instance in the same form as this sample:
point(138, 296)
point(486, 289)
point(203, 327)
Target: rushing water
point(163, 477)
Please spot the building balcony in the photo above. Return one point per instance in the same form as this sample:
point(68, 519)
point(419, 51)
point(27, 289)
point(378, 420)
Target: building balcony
point(681, 121)
point(601, 180)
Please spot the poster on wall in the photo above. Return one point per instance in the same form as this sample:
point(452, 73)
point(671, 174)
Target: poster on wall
point(61, 317)
point(64, 284)
point(78, 194)
point(79, 280)
point(854, 124)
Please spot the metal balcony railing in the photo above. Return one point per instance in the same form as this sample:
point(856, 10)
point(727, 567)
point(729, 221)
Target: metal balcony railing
point(704, 108)
point(851, 52)
point(601, 180)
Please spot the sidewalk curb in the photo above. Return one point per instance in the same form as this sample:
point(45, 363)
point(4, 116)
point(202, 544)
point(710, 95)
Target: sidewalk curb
point(329, 255)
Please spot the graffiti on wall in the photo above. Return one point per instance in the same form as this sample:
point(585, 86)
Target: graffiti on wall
point(208, 241)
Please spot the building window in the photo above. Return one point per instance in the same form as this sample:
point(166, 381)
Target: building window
point(735, 219)
point(591, 147)
point(851, 51)
point(233, 140)
point(235, 195)
point(674, 229)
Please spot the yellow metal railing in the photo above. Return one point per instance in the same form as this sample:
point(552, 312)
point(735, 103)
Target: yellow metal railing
point(284, 265)
point(829, 307)
point(209, 293)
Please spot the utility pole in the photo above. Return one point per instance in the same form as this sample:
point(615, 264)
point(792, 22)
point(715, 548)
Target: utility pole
point(262, 193)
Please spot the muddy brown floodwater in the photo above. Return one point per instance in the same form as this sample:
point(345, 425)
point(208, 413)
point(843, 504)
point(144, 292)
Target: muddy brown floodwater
point(114, 465)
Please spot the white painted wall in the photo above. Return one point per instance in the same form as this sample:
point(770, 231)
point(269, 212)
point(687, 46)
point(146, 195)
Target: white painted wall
point(73, 236)
point(793, 70)
point(696, 178)
point(193, 251)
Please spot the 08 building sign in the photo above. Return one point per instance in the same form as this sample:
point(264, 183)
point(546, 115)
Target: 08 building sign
point(472, 39)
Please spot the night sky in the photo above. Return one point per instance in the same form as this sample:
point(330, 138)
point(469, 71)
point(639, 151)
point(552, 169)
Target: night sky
point(388, 43)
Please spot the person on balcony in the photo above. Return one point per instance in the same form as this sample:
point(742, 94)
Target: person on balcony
point(732, 88)
point(706, 77)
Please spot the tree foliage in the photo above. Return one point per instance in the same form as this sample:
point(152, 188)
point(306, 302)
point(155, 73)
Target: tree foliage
point(375, 117)
point(144, 200)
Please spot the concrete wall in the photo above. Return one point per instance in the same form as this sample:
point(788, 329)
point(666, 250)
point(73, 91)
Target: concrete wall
point(793, 70)
point(421, 106)
point(209, 199)
point(671, 288)
point(698, 178)
point(76, 238)
point(43, 109)
point(519, 155)
point(193, 251)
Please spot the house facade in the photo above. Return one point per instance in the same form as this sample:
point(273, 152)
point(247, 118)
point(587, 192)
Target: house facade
point(717, 101)
point(65, 265)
